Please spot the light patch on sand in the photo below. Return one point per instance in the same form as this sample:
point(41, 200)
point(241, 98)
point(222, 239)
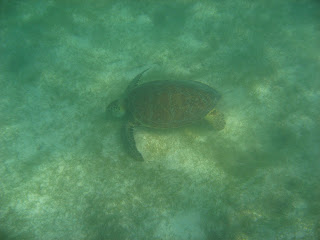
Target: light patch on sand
point(203, 10)
point(182, 226)
point(77, 18)
point(173, 153)
point(262, 91)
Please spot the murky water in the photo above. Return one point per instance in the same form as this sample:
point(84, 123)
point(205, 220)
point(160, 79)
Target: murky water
point(64, 172)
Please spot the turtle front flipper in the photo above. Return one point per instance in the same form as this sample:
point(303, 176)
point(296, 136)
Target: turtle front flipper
point(129, 141)
point(136, 80)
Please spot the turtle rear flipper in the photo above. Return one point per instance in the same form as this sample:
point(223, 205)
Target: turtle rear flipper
point(216, 119)
point(130, 143)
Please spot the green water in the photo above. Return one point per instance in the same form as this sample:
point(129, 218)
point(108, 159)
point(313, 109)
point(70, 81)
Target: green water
point(64, 173)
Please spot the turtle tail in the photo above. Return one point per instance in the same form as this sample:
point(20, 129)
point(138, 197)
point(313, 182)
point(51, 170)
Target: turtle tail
point(130, 143)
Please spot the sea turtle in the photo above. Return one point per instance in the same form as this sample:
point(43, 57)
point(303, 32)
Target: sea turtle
point(164, 104)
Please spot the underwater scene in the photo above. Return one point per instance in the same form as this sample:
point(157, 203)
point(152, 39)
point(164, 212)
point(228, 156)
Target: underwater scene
point(159, 120)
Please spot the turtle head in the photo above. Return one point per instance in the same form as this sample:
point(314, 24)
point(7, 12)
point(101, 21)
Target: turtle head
point(116, 109)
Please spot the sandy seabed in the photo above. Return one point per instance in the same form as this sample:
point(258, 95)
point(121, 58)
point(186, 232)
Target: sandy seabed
point(64, 173)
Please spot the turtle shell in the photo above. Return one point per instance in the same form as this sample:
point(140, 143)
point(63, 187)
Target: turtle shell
point(170, 104)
